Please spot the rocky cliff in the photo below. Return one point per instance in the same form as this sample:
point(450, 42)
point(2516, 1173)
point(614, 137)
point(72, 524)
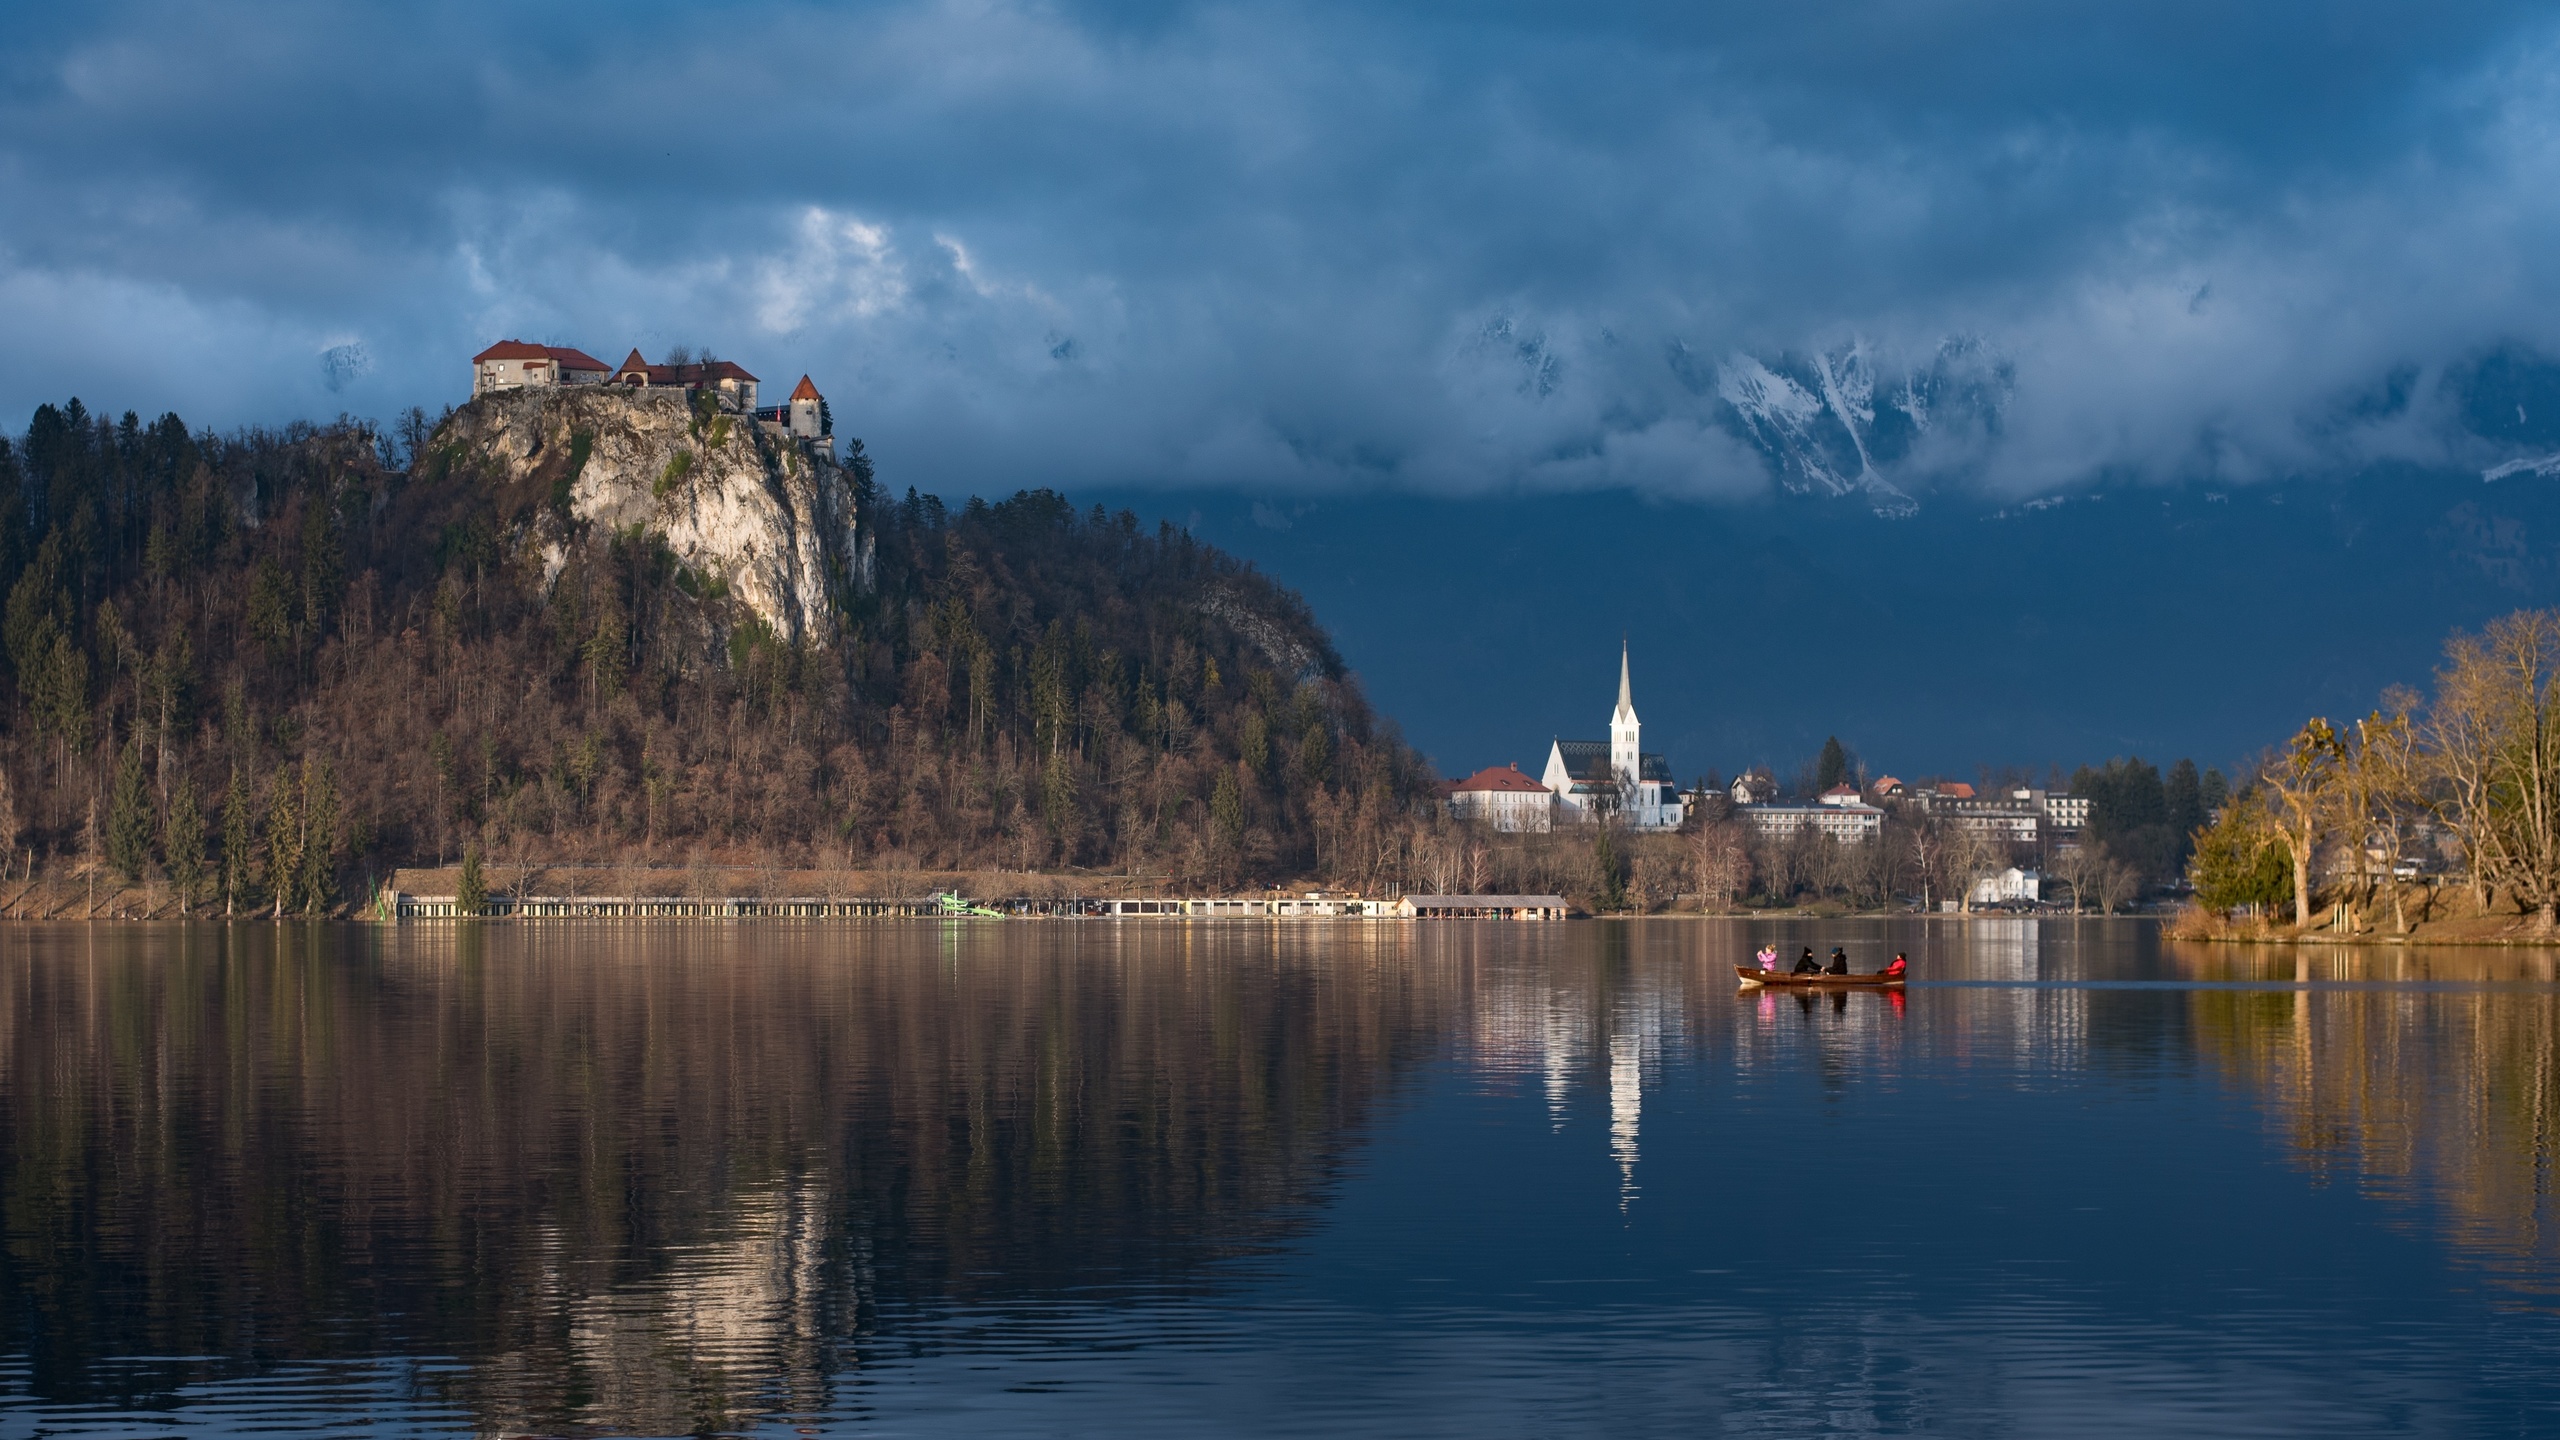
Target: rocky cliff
point(769, 516)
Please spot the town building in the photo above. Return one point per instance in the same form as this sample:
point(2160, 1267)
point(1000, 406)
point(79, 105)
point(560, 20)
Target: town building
point(2012, 886)
point(1755, 787)
point(2065, 816)
point(1506, 799)
point(1853, 822)
point(519, 364)
point(1590, 778)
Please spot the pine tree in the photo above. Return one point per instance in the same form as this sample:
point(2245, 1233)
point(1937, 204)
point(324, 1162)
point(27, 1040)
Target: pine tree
point(239, 843)
point(182, 843)
point(284, 838)
point(1613, 879)
point(319, 835)
point(472, 896)
point(1833, 767)
point(1226, 813)
point(129, 819)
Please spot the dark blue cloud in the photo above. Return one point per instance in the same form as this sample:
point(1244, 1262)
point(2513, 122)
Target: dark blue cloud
point(1447, 247)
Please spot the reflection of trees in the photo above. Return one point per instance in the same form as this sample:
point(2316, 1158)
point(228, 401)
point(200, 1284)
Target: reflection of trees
point(634, 1175)
point(2441, 1096)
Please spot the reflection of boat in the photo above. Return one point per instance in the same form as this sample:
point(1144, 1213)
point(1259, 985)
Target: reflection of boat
point(952, 904)
point(1776, 977)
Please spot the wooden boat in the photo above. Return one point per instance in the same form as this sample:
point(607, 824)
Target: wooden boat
point(1752, 975)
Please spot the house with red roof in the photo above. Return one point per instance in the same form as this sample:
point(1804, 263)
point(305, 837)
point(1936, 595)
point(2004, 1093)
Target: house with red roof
point(1502, 797)
point(517, 364)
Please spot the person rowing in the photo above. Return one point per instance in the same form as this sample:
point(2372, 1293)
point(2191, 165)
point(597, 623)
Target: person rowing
point(1807, 965)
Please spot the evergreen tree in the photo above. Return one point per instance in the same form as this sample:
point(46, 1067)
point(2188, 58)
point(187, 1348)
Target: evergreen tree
point(471, 897)
point(129, 819)
point(2214, 792)
point(1226, 813)
point(1315, 754)
point(318, 875)
point(239, 844)
point(1256, 746)
point(1611, 867)
point(2184, 791)
point(182, 842)
point(284, 838)
point(1833, 767)
point(2240, 861)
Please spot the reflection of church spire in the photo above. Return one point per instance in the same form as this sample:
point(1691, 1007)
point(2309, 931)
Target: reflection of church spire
point(1556, 1051)
point(1626, 1104)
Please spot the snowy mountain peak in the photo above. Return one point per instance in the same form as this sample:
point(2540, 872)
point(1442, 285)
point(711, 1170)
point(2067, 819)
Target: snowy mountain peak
point(1817, 419)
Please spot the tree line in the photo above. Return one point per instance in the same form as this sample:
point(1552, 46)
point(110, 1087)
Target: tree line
point(2363, 813)
point(263, 667)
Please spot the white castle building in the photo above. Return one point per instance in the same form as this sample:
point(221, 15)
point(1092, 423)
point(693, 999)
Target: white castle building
point(1591, 777)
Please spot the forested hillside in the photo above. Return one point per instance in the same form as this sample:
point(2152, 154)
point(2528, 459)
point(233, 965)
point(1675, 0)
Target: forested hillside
point(269, 665)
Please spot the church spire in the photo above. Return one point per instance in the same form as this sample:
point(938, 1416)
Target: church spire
point(1626, 692)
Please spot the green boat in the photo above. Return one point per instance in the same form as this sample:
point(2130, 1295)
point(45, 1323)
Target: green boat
point(952, 904)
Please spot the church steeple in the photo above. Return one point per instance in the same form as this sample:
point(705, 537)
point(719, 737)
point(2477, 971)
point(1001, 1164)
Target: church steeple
point(1626, 755)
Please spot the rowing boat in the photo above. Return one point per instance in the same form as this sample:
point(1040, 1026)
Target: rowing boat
point(1780, 977)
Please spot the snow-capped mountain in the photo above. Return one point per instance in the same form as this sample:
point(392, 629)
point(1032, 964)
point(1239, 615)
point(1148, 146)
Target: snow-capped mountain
point(1831, 424)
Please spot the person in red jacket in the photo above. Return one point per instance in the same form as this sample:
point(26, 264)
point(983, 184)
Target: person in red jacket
point(1898, 966)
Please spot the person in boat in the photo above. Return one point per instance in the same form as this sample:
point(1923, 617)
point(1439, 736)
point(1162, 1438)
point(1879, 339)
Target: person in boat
point(1807, 965)
point(1839, 961)
point(1899, 966)
point(1768, 957)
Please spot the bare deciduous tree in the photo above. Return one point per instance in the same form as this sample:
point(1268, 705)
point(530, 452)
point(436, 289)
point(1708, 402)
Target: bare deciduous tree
point(2307, 783)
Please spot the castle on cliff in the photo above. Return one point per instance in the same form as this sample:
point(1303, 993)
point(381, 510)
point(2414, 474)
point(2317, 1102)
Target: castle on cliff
point(520, 364)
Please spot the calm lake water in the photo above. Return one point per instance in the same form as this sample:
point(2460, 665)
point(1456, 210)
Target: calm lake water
point(1168, 1178)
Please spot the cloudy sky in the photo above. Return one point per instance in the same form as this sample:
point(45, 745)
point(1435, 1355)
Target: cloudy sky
point(1491, 247)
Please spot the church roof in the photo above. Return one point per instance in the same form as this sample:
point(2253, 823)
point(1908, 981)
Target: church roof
point(1586, 761)
point(1626, 693)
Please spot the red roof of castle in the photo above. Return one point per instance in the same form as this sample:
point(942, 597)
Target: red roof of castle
point(804, 390)
point(1502, 778)
point(710, 372)
point(568, 356)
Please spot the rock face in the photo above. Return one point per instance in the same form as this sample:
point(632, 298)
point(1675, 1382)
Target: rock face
point(768, 515)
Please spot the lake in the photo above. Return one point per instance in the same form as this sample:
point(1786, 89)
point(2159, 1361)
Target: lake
point(1167, 1177)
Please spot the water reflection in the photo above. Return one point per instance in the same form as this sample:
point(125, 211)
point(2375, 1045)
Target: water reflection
point(670, 1180)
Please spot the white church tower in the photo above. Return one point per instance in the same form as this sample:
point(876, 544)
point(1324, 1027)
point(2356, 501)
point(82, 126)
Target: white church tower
point(1626, 757)
point(1590, 778)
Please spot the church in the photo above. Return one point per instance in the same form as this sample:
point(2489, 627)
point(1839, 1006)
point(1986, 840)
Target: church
point(1592, 777)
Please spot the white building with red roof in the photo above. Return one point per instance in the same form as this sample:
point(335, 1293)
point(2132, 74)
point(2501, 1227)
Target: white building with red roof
point(517, 364)
point(1504, 798)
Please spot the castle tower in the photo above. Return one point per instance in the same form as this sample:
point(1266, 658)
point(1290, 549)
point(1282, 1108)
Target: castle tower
point(1625, 756)
point(806, 409)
